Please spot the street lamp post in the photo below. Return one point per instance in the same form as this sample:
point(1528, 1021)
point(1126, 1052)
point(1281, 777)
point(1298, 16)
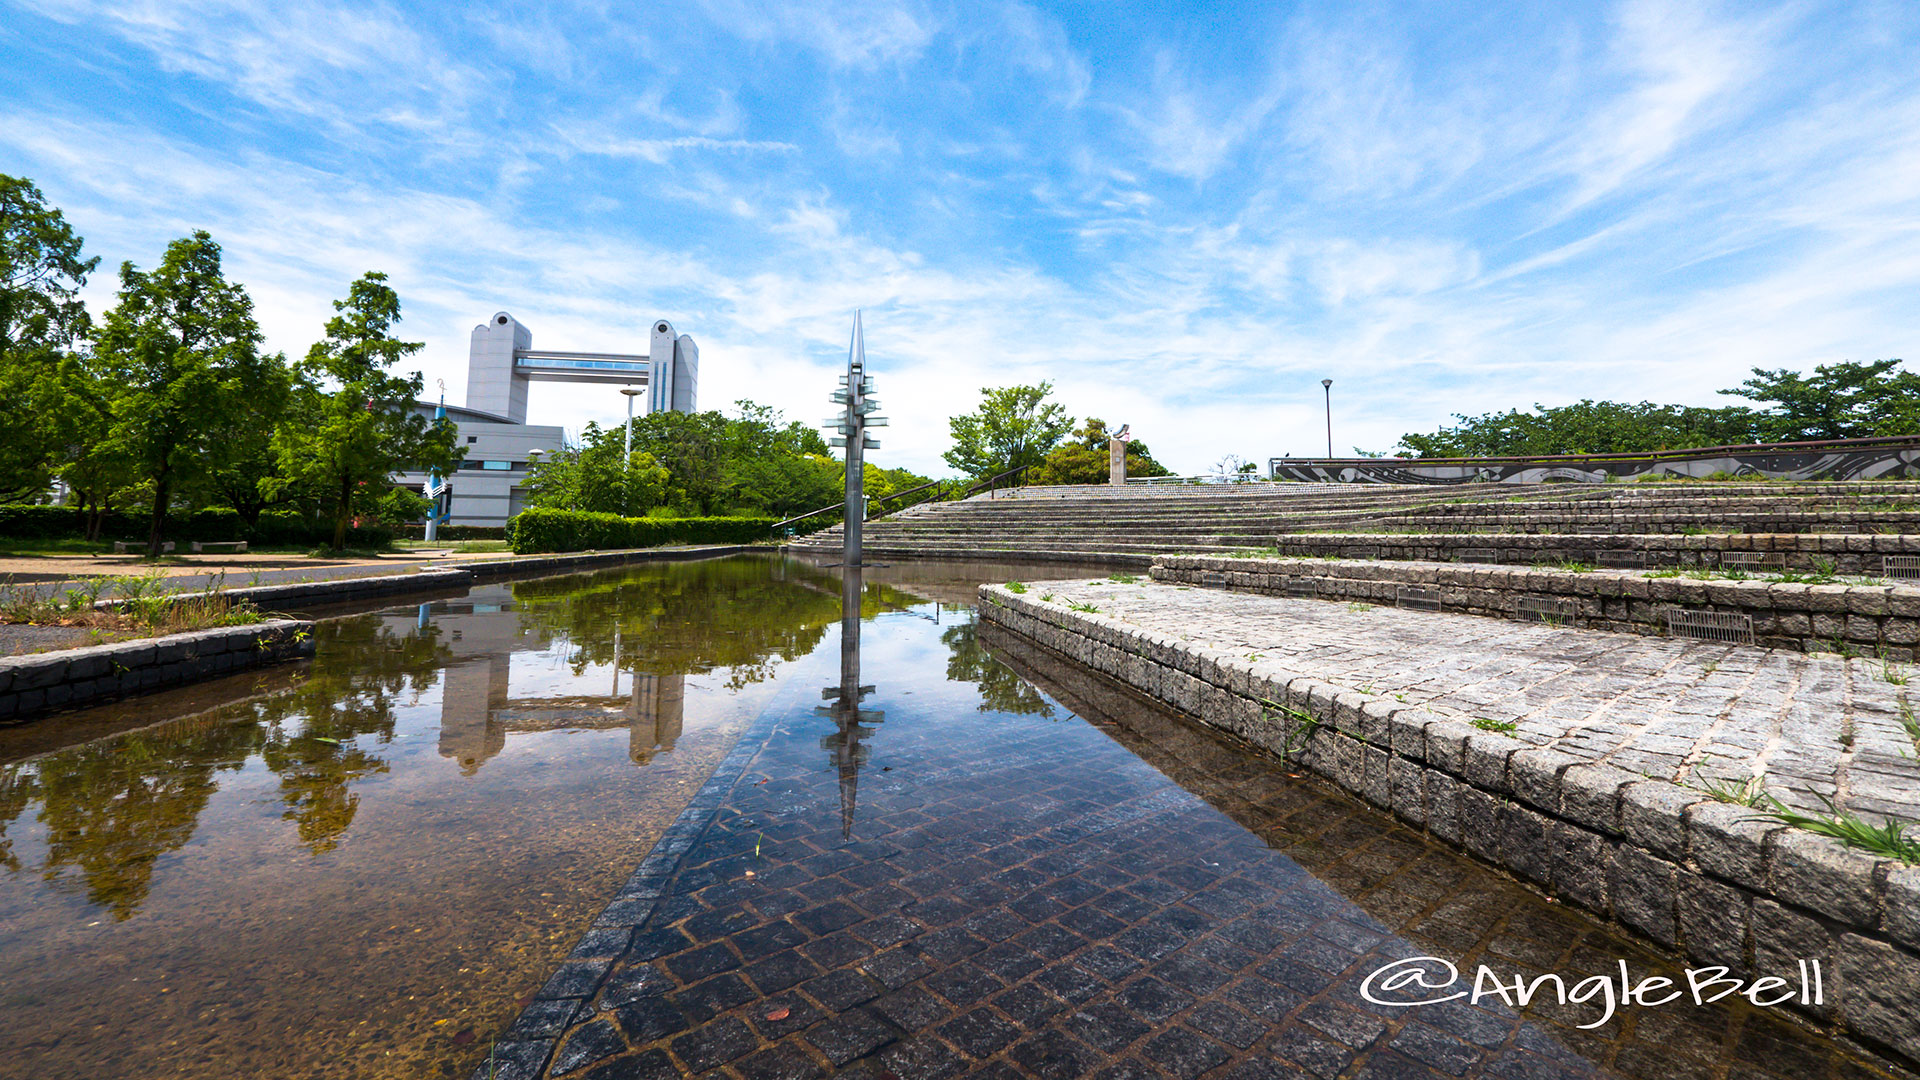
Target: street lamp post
point(1327, 385)
point(631, 393)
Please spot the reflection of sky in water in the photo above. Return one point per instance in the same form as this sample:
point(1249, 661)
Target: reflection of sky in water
point(411, 835)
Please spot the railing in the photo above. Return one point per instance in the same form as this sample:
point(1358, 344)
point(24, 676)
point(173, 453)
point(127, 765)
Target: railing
point(871, 503)
point(811, 513)
point(992, 483)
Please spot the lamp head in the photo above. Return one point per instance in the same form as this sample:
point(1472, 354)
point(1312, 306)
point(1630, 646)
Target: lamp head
point(1326, 383)
point(631, 392)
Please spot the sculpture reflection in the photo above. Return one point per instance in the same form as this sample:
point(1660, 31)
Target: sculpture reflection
point(845, 746)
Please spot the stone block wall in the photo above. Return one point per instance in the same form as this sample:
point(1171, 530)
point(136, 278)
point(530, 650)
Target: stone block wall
point(40, 683)
point(1874, 620)
point(1850, 553)
point(1689, 873)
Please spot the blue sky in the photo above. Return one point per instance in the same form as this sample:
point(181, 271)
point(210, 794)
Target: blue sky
point(1185, 216)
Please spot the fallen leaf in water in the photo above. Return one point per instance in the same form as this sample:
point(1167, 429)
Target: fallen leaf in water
point(780, 1013)
point(463, 1037)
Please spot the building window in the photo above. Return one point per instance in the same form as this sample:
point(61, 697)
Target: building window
point(501, 466)
point(471, 439)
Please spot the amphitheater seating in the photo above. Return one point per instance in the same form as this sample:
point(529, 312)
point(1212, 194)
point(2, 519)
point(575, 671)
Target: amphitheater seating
point(1129, 525)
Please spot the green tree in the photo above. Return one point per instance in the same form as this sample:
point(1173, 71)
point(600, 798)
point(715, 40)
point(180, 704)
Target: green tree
point(41, 320)
point(1083, 458)
point(354, 423)
point(1586, 427)
point(179, 355)
point(1014, 426)
point(593, 475)
point(1847, 400)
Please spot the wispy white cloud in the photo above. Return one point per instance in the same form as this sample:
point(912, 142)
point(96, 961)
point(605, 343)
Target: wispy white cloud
point(1632, 201)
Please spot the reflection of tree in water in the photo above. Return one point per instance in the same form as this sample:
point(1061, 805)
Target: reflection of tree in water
point(1000, 689)
point(743, 615)
point(360, 669)
point(114, 806)
point(16, 791)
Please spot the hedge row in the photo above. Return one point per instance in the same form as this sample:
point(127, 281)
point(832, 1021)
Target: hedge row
point(455, 532)
point(25, 522)
point(537, 531)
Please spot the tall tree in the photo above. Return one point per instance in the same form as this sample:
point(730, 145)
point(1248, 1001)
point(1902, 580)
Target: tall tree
point(1014, 426)
point(591, 475)
point(1083, 458)
point(41, 320)
point(354, 423)
point(1847, 400)
point(178, 354)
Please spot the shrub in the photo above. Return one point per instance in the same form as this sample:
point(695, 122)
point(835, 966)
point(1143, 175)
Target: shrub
point(541, 530)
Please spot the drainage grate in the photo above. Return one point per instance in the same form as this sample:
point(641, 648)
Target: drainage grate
point(1476, 555)
point(1303, 588)
point(1904, 567)
point(1414, 598)
point(1710, 625)
point(1552, 610)
point(1621, 560)
point(1747, 560)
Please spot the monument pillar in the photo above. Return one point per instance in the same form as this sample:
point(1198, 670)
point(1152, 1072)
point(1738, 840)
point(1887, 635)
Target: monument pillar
point(1117, 457)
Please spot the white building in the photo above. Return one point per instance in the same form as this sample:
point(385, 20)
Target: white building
point(499, 442)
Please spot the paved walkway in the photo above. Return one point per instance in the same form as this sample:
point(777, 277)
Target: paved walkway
point(1680, 711)
point(956, 890)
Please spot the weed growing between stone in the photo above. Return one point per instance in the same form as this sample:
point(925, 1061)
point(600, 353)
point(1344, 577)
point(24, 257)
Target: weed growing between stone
point(1501, 726)
point(1124, 579)
point(142, 608)
point(1749, 792)
point(1088, 608)
point(1888, 839)
point(1295, 735)
point(1016, 587)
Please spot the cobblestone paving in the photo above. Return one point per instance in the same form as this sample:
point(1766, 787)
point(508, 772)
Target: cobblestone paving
point(1674, 710)
point(1000, 894)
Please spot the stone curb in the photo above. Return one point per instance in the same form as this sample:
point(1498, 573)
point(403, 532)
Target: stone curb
point(73, 678)
point(1874, 619)
point(1693, 875)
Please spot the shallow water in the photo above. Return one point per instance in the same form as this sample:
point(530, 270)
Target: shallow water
point(366, 865)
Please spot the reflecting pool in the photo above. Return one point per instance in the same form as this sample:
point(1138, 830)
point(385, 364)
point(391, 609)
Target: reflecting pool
point(930, 844)
point(358, 866)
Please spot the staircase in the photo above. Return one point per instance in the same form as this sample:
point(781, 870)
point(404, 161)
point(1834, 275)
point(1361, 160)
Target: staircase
point(1128, 526)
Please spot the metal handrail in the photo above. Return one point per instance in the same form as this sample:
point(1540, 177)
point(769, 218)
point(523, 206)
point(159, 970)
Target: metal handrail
point(909, 491)
point(871, 516)
point(992, 482)
point(810, 513)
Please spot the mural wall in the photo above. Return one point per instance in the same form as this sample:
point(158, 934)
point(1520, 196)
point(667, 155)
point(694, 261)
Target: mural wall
point(1841, 459)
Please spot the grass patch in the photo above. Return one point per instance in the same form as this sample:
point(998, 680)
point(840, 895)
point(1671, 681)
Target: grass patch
point(145, 608)
point(1016, 587)
point(1124, 579)
point(1501, 726)
point(1088, 608)
point(1358, 606)
point(1889, 839)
